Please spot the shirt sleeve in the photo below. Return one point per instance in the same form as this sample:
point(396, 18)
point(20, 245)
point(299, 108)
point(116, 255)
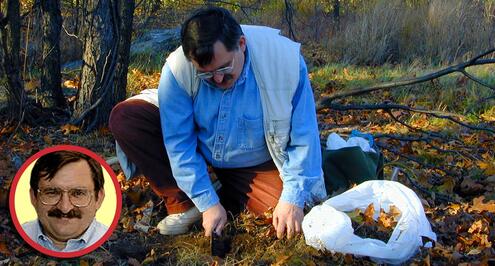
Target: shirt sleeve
point(180, 138)
point(302, 171)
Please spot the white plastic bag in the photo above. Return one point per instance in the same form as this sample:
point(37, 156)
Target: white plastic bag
point(326, 226)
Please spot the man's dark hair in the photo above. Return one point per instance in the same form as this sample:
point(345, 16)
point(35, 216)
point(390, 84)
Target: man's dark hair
point(48, 165)
point(205, 27)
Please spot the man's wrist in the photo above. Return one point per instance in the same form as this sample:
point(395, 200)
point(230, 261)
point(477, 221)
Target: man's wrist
point(295, 197)
point(206, 200)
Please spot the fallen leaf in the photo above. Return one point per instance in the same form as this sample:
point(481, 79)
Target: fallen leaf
point(394, 212)
point(133, 262)
point(348, 259)
point(31, 85)
point(68, 129)
point(479, 205)
point(454, 208)
point(7, 130)
point(281, 260)
point(474, 252)
point(476, 227)
point(121, 177)
point(48, 140)
point(368, 214)
point(427, 261)
point(384, 220)
point(72, 84)
point(104, 130)
point(488, 165)
point(469, 186)
point(4, 249)
point(447, 187)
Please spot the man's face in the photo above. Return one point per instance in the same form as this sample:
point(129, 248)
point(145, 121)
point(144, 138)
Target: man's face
point(64, 221)
point(222, 59)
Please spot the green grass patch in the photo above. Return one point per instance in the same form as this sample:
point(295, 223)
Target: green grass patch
point(450, 93)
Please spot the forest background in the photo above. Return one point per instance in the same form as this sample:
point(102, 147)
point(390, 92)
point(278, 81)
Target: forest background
point(417, 74)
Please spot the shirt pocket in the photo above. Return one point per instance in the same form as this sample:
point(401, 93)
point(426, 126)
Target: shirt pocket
point(251, 135)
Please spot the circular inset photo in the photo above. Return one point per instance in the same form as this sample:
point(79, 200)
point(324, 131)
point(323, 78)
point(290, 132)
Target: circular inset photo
point(65, 201)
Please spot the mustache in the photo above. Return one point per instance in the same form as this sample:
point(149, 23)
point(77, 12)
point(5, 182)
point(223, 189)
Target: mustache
point(226, 78)
point(74, 213)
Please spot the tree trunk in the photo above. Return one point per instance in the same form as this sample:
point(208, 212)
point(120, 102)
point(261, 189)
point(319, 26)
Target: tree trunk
point(10, 40)
point(336, 11)
point(107, 28)
point(51, 95)
point(120, 81)
point(289, 17)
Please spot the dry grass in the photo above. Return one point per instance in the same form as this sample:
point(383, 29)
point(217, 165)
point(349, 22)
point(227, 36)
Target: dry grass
point(252, 243)
point(437, 31)
point(371, 32)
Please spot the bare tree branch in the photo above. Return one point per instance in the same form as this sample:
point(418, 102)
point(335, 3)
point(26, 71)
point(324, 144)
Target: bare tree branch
point(474, 59)
point(477, 80)
point(71, 34)
point(243, 8)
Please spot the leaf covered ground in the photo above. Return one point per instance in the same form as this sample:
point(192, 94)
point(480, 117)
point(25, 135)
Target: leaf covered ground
point(449, 166)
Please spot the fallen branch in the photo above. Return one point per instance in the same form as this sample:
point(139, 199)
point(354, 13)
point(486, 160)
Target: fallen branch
point(420, 162)
point(461, 68)
point(428, 140)
point(408, 173)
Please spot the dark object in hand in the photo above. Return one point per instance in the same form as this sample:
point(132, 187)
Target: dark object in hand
point(219, 245)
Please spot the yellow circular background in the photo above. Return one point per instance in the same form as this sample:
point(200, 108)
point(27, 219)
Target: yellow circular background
point(26, 212)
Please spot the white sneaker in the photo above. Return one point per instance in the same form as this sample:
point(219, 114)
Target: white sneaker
point(179, 223)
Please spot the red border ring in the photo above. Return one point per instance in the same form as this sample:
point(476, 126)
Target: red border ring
point(37, 246)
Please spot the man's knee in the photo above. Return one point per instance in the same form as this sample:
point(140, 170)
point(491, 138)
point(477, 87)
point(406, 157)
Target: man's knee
point(118, 118)
point(132, 117)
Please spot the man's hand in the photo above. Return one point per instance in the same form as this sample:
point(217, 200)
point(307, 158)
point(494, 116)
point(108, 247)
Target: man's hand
point(287, 217)
point(214, 219)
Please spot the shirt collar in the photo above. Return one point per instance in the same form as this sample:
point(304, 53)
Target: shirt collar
point(84, 238)
point(245, 68)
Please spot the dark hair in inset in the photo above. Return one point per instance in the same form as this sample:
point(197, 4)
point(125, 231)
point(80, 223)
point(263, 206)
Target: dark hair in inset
point(205, 27)
point(48, 165)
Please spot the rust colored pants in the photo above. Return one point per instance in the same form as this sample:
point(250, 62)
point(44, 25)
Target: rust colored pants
point(135, 125)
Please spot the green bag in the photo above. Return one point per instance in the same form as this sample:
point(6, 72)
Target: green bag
point(350, 165)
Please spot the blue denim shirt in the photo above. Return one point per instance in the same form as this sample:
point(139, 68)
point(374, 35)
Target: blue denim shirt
point(224, 128)
point(95, 232)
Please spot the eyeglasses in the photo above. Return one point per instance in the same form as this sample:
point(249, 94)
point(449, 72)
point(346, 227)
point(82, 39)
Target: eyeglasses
point(223, 70)
point(79, 197)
